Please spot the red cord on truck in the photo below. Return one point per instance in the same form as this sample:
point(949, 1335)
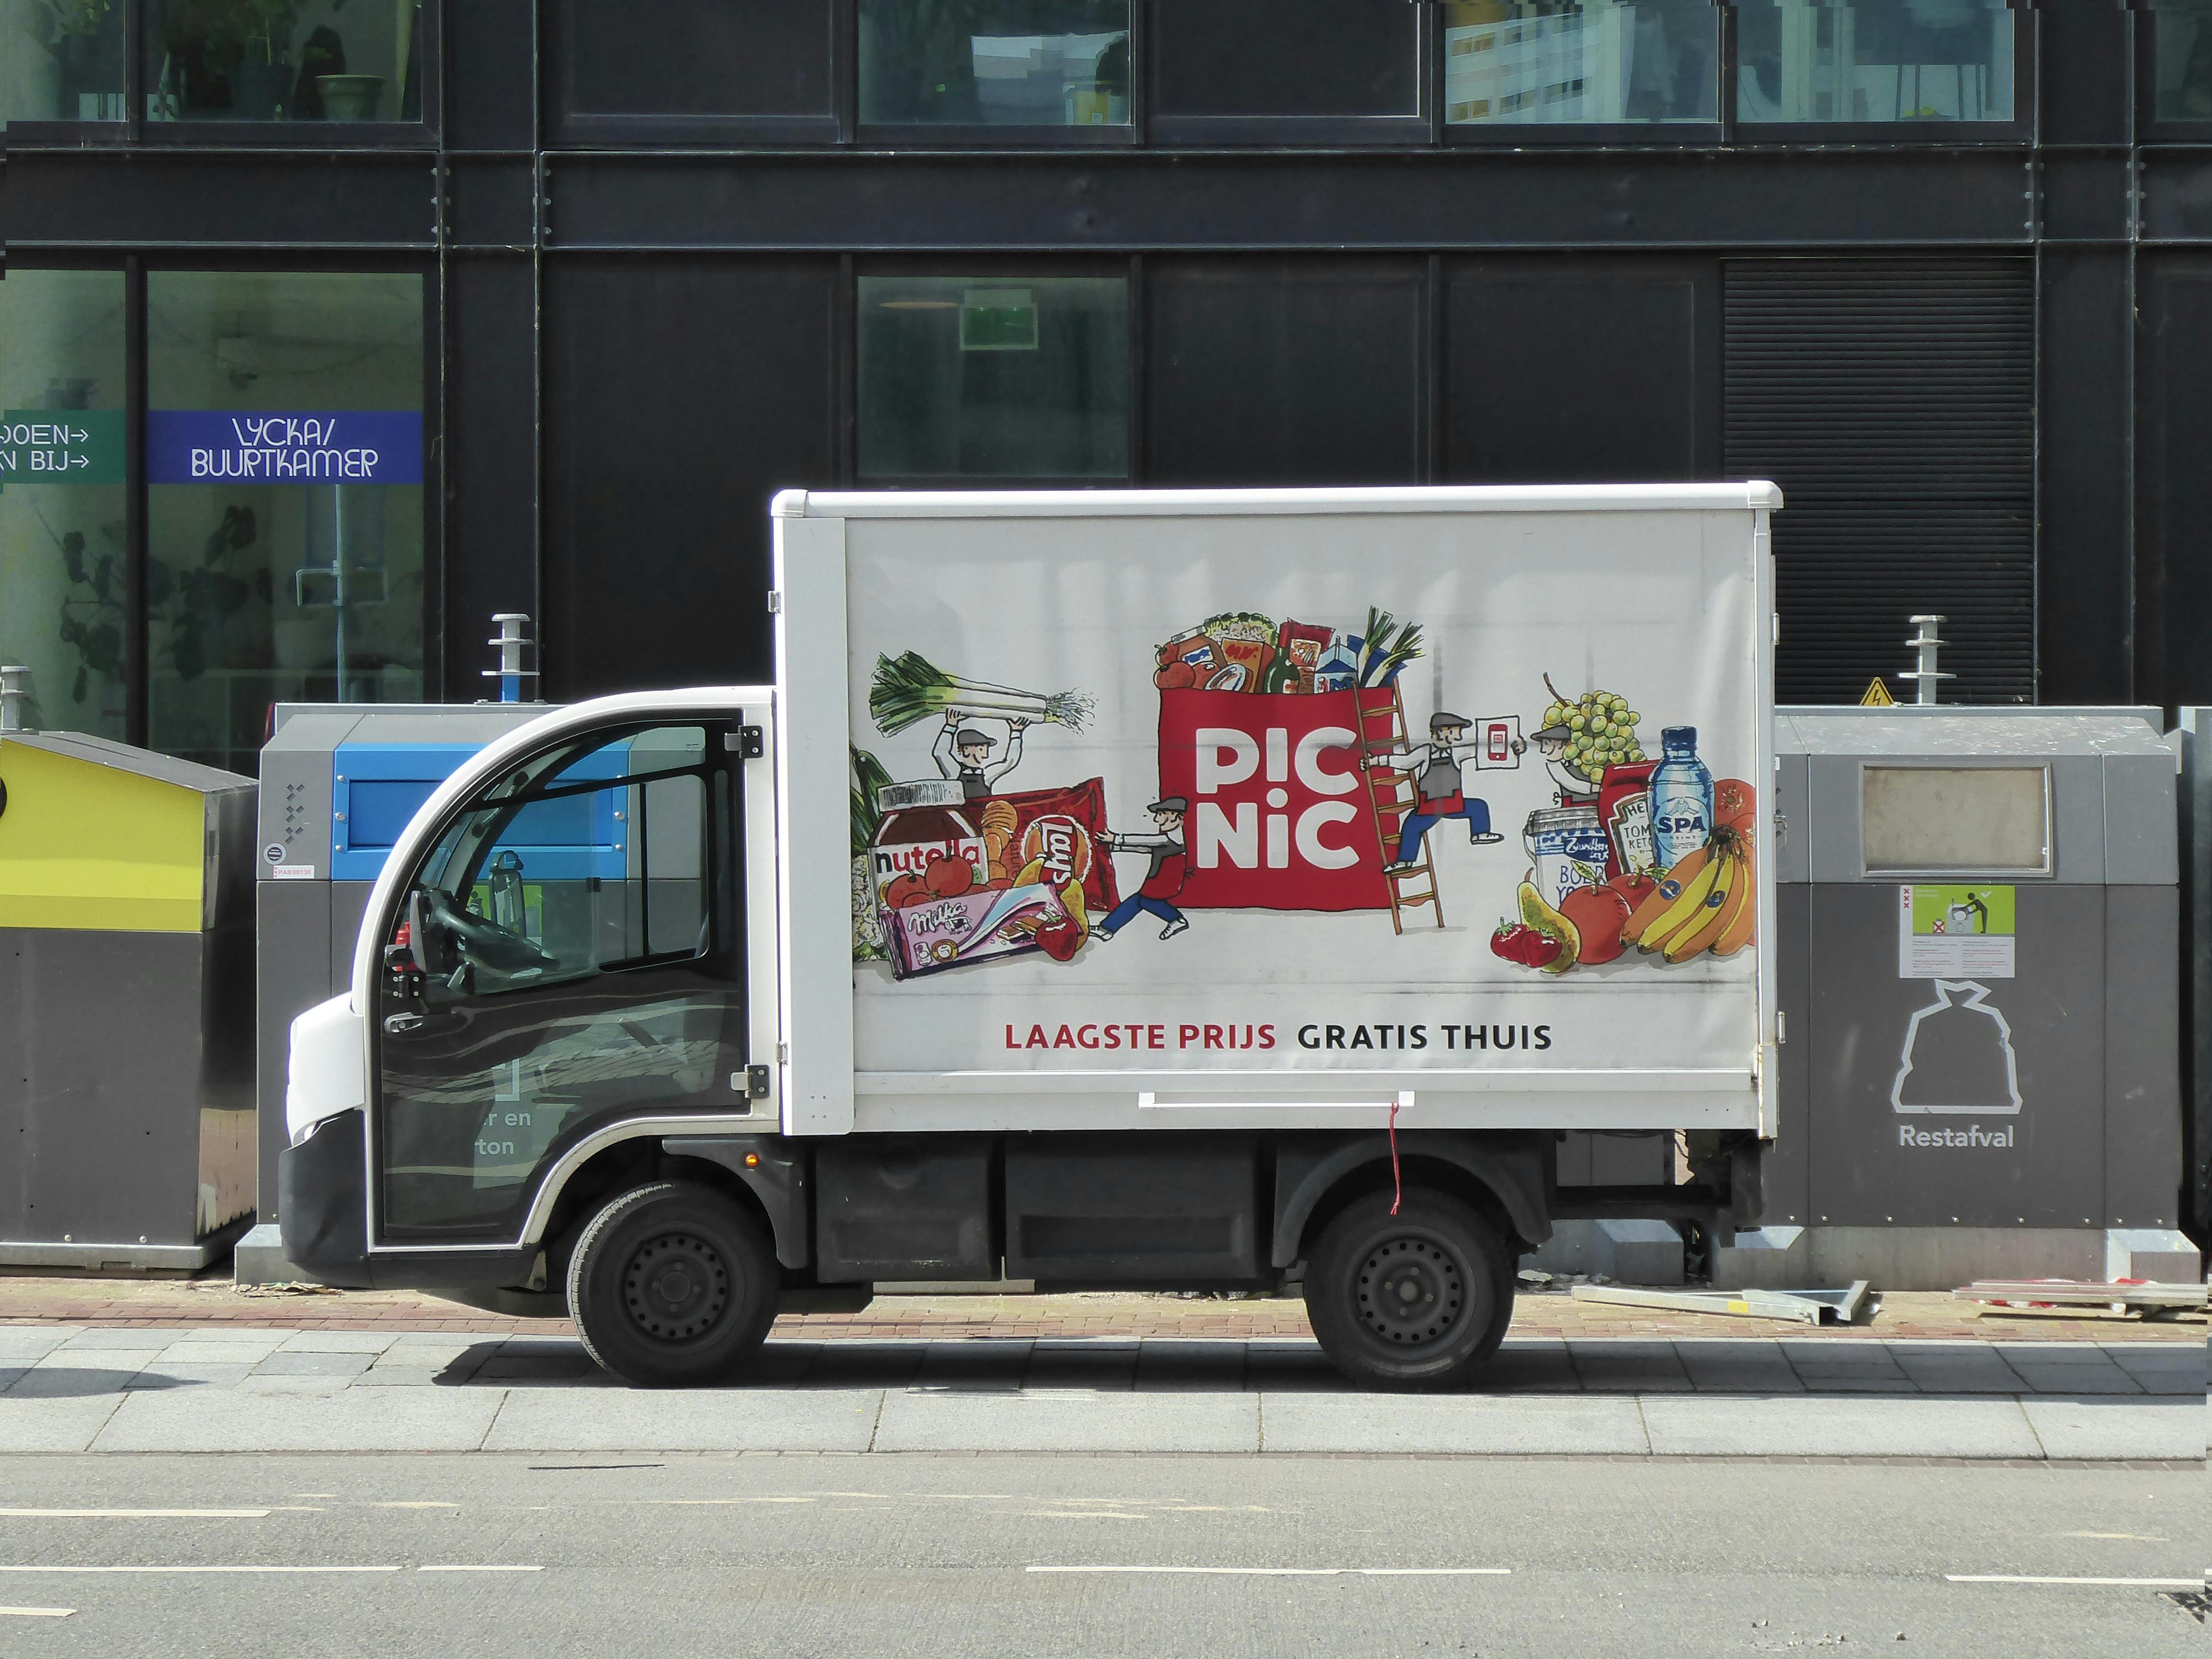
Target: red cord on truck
point(1397, 1180)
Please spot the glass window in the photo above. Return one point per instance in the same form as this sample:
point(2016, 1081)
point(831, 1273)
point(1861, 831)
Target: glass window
point(995, 62)
point(559, 966)
point(285, 507)
point(63, 549)
point(994, 377)
point(698, 58)
point(1956, 819)
point(2183, 31)
point(1515, 62)
point(61, 60)
point(283, 60)
point(1874, 60)
point(1288, 58)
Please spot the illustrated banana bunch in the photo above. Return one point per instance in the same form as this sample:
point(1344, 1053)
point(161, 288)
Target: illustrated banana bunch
point(1709, 901)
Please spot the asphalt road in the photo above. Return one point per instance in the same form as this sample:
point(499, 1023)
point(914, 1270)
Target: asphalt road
point(1000, 1557)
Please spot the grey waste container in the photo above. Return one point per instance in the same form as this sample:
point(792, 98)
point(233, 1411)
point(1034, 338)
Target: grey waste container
point(1980, 952)
point(127, 993)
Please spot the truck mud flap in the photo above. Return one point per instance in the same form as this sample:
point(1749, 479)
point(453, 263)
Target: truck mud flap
point(321, 1208)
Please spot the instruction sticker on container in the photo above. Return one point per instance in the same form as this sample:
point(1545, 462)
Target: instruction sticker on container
point(1955, 933)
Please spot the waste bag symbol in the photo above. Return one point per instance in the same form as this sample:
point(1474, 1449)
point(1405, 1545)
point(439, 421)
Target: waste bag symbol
point(1957, 1056)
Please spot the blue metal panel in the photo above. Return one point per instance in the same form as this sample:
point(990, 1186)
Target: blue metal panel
point(378, 787)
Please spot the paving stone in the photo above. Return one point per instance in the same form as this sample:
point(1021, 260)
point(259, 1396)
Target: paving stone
point(314, 1362)
point(866, 1365)
point(370, 1342)
point(21, 1342)
point(2164, 1370)
point(1738, 1367)
point(397, 1377)
point(2077, 1379)
point(2113, 1428)
point(1961, 1373)
point(165, 1373)
point(1054, 1365)
point(1628, 1367)
point(1070, 1420)
point(51, 1382)
point(1582, 1424)
point(197, 1350)
point(539, 1367)
point(65, 1424)
point(1710, 1426)
point(133, 1337)
point(1179, 1364)
point(249, 1419)
point(1536, 1367)
point(688, 1419)
point(987, 1363)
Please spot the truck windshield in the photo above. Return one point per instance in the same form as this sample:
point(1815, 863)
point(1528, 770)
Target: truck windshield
point(565, 953)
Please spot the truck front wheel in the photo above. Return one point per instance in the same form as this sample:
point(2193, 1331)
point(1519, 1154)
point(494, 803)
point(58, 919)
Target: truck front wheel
point(672, 1286)
point(1415, 1300)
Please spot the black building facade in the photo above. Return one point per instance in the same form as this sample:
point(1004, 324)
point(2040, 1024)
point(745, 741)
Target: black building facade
point(331, 328)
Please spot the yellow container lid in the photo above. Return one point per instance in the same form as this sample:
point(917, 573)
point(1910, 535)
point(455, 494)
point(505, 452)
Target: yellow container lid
point(99, 836)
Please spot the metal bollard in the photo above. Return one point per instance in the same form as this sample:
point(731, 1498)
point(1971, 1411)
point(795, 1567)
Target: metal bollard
point(1926, 643)
point(512, 636)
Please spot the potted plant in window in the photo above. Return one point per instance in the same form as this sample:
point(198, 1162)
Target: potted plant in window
point(264, 73)
point(78, 53)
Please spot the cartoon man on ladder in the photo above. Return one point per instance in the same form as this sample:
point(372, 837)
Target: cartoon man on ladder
point(1439, 789)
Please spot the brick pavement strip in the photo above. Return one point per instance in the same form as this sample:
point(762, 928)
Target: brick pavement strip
point(82, 1301)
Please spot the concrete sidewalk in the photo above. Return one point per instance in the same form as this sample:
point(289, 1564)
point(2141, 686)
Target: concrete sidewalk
point(230, 1389)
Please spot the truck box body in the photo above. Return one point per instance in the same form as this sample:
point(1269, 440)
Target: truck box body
point(1134, 631)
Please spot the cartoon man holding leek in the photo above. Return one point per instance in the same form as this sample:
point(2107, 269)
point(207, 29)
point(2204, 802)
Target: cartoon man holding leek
point(964, 752)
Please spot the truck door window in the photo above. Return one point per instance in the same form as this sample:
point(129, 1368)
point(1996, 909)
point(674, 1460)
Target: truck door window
point(565, 954)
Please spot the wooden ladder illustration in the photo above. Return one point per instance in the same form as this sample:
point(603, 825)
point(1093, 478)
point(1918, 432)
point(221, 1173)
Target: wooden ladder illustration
point(1390, 798)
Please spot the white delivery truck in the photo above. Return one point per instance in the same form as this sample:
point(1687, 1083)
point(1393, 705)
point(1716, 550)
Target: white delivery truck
point(1225, 890)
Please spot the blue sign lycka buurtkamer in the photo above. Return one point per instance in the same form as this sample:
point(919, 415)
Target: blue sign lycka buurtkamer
point(341, 446)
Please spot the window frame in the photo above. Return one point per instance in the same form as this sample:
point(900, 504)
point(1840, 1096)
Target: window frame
point(1948, 134)
point(564, 126)
point(998, 267)
point(1587, 135)
point(135, 130)
point(907, 135)
point(2150, 126)
point(1283, 131)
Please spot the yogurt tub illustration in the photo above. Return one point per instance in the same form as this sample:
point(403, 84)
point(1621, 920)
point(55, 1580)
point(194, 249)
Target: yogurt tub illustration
point(1568, 847)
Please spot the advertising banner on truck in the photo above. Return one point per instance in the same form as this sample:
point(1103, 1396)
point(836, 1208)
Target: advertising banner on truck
point(1449, 792)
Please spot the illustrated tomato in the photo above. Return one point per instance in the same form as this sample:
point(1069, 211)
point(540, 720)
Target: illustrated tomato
point(903, 890)
point(1736, 805)
point(949, 877)
point(1060, 939)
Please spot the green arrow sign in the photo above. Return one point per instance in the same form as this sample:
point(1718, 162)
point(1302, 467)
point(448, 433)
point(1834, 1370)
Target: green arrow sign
point(61, 445)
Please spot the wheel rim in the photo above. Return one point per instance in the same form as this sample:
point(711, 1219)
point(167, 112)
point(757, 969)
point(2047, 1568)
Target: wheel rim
point(1411, 1292)
point(676, 1287)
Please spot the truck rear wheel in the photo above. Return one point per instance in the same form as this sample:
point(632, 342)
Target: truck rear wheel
point(672, 1286)
point(1416, 1300)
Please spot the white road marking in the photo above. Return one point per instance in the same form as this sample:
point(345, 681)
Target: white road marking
point(198, 1569)
point(36, 1613)
point(1299, 1572)
point(2025, 1578)
point(419, 1503)
point(132, 1515)
point(473, 1566)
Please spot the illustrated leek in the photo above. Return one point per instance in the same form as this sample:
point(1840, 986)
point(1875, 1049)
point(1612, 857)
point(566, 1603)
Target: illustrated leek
point(910, 687)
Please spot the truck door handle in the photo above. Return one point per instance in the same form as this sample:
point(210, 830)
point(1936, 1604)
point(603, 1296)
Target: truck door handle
point(400, 1025)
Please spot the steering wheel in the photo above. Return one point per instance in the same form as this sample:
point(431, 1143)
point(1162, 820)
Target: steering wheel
point(485, 943)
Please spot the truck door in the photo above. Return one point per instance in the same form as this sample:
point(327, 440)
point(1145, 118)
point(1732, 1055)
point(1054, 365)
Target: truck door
point(567, 953)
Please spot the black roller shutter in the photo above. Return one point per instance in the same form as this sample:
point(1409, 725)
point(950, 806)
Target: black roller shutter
point(1893, 402)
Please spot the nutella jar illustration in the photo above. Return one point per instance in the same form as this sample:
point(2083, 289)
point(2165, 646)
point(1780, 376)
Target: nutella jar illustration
point(926, 845)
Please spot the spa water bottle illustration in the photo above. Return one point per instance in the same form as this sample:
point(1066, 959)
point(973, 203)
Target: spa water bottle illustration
point(1681, 797)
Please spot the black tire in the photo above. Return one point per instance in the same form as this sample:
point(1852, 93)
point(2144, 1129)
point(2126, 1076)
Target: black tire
point(672, 1285)
point(1417, 1300)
